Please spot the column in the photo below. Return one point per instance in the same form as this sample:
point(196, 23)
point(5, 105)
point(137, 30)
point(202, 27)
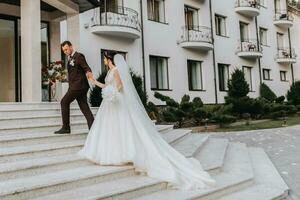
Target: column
point(73, 30)
point(31, 50)
point(55, 49)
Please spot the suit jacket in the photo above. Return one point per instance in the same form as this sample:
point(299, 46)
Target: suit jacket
point(77, 69)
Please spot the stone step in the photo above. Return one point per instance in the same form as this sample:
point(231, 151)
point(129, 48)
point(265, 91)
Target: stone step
point(35, 186)
point(30, 167)
point(212, 154)
point(10, 154)
point(125, 188)
point(191, 144)
point(175, 135)
point(47, 127)
point(25, 139)
point(32, 145)
point(34, 137)
point(20, 123)
point(4, 106)
point(236, 175)
point(46, 123)
point(43, 112)
point(268, 182)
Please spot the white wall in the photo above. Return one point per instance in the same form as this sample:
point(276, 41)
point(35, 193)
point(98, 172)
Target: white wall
point(162, 40)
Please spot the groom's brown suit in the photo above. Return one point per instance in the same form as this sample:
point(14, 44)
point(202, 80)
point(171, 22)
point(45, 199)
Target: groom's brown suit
point(78, 88)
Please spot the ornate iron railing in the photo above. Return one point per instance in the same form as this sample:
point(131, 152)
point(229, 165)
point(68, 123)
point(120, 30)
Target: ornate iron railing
point(248, 3)
point(196, 34)
point(119, 16)
point(283, 15)
point(286, 53)
point(249, 45)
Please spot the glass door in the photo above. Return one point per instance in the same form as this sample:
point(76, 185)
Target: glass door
point(8, 62)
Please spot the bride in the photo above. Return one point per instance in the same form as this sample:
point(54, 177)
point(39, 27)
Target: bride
point(123, 133)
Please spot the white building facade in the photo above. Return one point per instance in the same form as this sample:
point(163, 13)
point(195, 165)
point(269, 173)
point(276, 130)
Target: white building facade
point(192, 47)
point(187, 46)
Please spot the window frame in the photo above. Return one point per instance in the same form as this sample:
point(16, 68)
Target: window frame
point(218, 31)
point(164, 21)
point(190, 78)
point(156, 76)
point(284, 73)
point(251, 77)
point(225, 86)
point(269, 74)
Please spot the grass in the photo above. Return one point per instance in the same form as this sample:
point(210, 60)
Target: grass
point(292, 120)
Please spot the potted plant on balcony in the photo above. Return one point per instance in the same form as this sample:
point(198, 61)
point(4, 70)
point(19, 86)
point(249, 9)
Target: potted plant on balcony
point(54, 77)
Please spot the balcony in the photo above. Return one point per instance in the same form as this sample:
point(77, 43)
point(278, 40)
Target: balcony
point(283, 19)
point(196, 37)
point(249, 8)
point(249, 49)
point(118, 21)
point(286, 56)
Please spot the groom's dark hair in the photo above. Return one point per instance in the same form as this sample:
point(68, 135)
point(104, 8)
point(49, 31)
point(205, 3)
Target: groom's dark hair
point(67, 42)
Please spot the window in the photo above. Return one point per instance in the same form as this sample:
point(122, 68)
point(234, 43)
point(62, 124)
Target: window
point(223, 71)
point(244, 32)
point(280, 42)
point(191, 18)
point(159, 73)
point(266, 74)
point(220, 25)
point(277, 5)
point(103, 67)
point(195, 75)
point(248, 76)
point(263, 2)
point(263, 36)
point(156, 10)
point(115, 6)
point(283, 76)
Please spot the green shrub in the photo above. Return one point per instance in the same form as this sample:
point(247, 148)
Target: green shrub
point(288, 109)
point(185, 111)
point(238, 86)
point(223, 120)
point(280, 99)
point(293, 95)
point(267, 93)
point(95, 98)
point(278, 114)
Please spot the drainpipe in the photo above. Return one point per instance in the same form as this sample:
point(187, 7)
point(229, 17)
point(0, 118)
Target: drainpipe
point(259, 48)
point(291, 55)
point(213, 51)
point(143, 44)
point(290, 46)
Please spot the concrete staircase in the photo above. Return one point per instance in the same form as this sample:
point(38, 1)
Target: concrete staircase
point(37, 164)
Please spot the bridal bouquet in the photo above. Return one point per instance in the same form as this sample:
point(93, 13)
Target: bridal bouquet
point(110, 93)
point(56, 71)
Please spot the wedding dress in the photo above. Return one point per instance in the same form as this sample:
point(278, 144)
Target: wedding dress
point(123, 133)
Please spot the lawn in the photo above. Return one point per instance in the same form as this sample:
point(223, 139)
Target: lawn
point(292, 120)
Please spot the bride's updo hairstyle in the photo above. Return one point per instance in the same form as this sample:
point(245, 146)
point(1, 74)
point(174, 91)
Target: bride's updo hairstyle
point(110, 55)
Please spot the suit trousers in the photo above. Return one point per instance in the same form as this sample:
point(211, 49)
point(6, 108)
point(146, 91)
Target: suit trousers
point(81, 98)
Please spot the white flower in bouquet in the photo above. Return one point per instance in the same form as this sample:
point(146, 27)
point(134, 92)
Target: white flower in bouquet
point(110, 93)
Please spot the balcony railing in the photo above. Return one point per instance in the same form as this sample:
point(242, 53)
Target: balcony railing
point(283, 15)
point(119, 16)
point(286, 53)
point(196, 34)
point(248, 3)
point(249, 45)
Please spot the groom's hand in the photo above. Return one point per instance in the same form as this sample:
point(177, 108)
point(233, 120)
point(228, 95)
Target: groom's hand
point(89, 76)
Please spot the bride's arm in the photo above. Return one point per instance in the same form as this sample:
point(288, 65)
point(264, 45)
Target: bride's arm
point(118, 80)
point(101, 85)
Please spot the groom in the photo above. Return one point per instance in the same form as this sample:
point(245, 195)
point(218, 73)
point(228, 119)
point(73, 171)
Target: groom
point(78, 74)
